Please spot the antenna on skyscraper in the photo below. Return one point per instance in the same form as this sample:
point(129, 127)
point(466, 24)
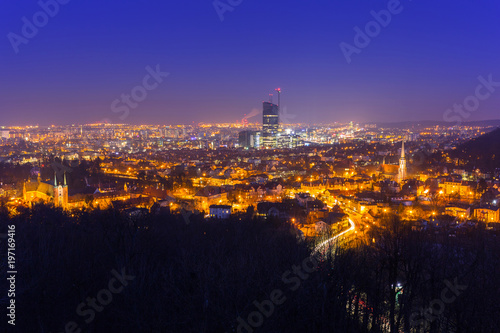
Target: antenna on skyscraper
point(271, 98)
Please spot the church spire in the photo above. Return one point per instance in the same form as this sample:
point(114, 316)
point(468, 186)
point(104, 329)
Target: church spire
point(55, 179)
point(65, 178)
point(402, 164)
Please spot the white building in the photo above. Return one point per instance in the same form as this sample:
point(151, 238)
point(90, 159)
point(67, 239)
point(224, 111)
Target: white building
point(220, 211)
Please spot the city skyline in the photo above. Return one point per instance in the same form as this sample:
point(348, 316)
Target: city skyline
point(248, 166)
point(415, 66)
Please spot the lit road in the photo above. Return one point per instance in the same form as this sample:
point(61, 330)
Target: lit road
point(334, 238)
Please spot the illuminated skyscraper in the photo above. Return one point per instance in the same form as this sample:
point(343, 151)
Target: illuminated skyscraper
point(249, 139)
point(270, 125)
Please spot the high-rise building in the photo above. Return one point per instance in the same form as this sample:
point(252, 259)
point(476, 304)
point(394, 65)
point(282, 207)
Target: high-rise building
point(402, 164)
point(244, 139)
point(270, 125)
point(289, 141)
point(249, 139)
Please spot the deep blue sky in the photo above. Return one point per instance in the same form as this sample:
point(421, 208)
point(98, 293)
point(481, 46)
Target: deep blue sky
point(91, 52)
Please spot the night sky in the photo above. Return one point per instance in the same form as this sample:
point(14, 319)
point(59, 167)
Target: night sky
point(91, 52)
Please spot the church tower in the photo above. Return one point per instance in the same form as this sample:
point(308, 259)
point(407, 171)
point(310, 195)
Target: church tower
point(402, 164)
point(60, 193)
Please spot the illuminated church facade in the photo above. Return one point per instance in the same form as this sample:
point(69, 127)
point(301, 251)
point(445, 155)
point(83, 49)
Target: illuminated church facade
point(48, 192)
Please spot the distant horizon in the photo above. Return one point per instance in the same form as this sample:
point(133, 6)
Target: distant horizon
point(260, 123)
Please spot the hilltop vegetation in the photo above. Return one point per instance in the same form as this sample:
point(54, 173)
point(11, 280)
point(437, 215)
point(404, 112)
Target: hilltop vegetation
point(482, 152)
point(185, 274)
